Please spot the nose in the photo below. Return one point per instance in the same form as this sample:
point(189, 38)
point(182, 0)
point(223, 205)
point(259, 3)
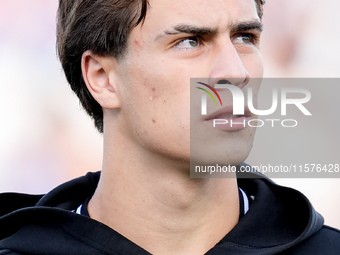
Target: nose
point(228, 67)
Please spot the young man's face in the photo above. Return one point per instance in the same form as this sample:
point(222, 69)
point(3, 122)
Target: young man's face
point(179, 40)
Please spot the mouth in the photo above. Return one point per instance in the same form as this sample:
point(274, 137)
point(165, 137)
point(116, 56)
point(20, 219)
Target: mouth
point(224, 119)
point(227, 113)
point(228, 116)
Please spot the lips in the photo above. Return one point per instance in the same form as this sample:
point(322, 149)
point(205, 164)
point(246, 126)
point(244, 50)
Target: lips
point(228, 116)
point(224, 119)
point(227, 113)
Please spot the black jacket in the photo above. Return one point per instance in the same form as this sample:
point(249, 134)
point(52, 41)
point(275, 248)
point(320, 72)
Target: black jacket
point(280, 221)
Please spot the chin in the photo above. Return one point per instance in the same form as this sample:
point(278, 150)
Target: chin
point(222, 155)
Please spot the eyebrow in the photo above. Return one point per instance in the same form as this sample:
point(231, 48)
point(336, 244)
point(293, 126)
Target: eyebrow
point(200, 31)
point(188, 29)
point(246, 26)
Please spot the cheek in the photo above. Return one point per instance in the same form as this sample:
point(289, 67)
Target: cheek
point(254, 64)
point(158, 91)
point(157, 99)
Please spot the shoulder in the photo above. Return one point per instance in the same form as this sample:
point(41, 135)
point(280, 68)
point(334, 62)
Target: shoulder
point(325, 241)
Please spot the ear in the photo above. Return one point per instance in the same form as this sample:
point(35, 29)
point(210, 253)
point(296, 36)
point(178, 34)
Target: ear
point(99, 74)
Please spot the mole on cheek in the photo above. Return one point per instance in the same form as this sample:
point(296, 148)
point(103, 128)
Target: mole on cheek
point(138, 43)
point(154, 96)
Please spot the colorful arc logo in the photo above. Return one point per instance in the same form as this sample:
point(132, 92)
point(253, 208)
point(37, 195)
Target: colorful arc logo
point(209, 93)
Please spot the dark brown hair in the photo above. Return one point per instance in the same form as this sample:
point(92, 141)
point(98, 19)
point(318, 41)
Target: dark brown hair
point(102, 26)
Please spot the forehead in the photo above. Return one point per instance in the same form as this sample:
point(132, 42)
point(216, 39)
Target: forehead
point(214, 13)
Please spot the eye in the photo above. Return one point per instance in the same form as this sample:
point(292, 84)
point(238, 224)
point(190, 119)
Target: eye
point(188, 43)
point(246, 38)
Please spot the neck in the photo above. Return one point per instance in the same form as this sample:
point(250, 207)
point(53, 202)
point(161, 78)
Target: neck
point(155, 204)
